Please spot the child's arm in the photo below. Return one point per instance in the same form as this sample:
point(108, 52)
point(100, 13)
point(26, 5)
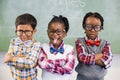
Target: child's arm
point(102, 59)
point(10, 52)
point(98, 60)
point(26, 62)
point(107, 55)
point(82, 55)
point(69, 65)
point(60, 66)
point(44, 63)
point(48, 64)
point(7, 57)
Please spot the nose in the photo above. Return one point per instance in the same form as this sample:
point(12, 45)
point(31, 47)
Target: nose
point(54, 33)
point(23, 34)
point(92, 29)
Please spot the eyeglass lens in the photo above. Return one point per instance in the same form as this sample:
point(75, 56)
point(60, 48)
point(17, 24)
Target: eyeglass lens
point(20, 32)
point(96, 28)
point(56, 31)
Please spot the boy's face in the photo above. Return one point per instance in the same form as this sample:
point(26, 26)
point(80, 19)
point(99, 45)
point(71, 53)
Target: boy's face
point(25, 32)
point(56, 33)
point(92, 27)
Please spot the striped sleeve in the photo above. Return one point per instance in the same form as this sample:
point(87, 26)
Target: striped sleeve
point(107, 55)
point(83, 55)
point(45, 63)
point(59, 66)
point(69, 65)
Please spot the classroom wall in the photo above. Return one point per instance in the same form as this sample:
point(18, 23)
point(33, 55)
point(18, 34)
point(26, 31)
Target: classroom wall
point(74, 10)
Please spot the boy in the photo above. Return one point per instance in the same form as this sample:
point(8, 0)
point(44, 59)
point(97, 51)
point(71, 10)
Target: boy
point(23, 51)
point(94, 54)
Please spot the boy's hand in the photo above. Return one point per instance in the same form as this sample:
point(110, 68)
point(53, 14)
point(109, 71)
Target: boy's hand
point(98, 56)
point(98, 60)
point(8, 57)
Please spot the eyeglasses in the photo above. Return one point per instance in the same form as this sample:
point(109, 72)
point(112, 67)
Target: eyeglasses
point(90, 27)
point(58, 32)
point(27, 32)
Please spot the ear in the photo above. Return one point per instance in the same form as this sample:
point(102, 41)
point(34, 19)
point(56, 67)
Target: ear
point(65, 34)
point(84, 28)
point(47, 32)
point(34, 31)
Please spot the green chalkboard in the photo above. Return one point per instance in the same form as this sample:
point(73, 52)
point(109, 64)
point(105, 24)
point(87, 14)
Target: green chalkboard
point(74, 10)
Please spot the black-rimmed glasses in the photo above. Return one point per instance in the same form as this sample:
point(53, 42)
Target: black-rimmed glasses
point(26, 32)
point(58, 32)
point(90, 27)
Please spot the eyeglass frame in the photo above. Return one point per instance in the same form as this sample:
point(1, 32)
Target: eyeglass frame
point(58, 32)
point(24, 31)
point(93, 27)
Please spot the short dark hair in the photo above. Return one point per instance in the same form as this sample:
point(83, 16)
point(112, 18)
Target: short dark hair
point(62, 20)
point(96, 15)
point(26, 19)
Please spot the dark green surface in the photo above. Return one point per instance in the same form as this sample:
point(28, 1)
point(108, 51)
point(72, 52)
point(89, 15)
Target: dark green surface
point(73, 9)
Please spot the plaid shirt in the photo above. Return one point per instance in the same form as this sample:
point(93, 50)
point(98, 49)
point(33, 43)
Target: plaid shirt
point(89, 58)
point(60, 65)
point(25, 56)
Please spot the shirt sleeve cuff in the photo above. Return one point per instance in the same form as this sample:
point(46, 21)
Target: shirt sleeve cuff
point(107, 65)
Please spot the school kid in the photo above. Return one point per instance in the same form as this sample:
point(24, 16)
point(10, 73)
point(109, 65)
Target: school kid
point(56, 57)
point(94, 54)
point(24, 50)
